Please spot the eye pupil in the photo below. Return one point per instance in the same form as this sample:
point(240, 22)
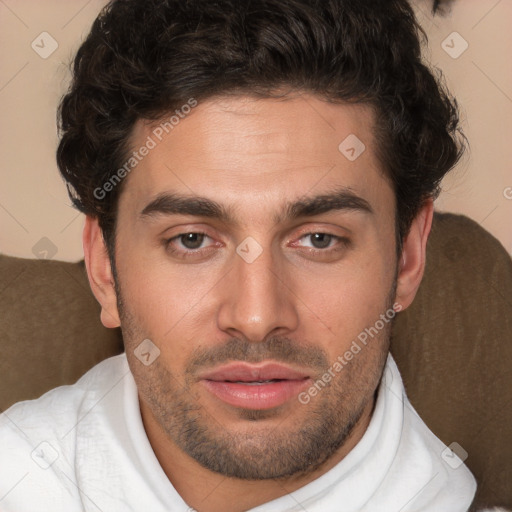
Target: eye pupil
point(324, 239)
point(192, 240)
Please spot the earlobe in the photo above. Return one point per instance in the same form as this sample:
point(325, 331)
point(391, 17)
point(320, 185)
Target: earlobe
point(99, 272)
point(412, 261)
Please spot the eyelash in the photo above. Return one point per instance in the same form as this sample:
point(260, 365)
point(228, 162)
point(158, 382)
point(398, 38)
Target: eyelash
point(190, 253)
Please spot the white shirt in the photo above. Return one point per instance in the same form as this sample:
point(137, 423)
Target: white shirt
point(84, 448)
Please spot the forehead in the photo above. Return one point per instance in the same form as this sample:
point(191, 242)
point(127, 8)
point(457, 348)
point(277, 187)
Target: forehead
point(253, 151)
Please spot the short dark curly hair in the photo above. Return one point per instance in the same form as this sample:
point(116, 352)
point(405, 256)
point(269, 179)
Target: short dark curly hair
point(145, 58)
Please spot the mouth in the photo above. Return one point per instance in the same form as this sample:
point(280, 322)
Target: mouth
point(262, 386)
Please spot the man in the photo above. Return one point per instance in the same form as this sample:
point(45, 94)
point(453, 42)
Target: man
point(258, 179)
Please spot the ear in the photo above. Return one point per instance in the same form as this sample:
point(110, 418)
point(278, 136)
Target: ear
point(99, 272)
point(412, 261)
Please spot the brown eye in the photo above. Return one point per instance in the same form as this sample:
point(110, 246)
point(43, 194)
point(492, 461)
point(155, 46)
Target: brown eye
point(192, 240)
point(322, 245)
point(187, 245)
point(320, 240)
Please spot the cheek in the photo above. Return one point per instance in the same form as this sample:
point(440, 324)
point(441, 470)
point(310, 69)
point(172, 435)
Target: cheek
point(347, 299)
point(165, 304)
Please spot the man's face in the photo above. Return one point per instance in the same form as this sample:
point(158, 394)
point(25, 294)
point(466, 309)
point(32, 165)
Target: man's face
point(248, 316)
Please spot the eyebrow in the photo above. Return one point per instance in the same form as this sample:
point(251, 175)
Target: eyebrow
point(178, 204)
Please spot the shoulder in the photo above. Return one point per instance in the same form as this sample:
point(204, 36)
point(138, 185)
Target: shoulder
point(422, 461)
point(38, 439)
point(447, 479)
point(55, 411)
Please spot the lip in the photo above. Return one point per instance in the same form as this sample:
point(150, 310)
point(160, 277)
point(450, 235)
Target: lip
point(235, 384)
point(253, 372)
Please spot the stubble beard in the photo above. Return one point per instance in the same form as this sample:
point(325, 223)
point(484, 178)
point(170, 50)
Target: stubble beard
point(269, 446)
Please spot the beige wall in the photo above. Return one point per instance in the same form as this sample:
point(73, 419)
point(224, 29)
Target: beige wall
point(33, 199)
point(481, 80)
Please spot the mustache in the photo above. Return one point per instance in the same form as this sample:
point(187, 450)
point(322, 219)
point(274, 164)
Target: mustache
point(276, 348)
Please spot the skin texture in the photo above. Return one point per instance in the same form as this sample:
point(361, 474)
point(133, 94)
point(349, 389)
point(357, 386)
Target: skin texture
point(301, 302)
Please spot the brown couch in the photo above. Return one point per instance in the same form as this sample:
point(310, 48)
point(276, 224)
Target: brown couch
point(453, 346)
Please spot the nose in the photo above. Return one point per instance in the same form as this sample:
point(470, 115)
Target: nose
point(257, 299)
